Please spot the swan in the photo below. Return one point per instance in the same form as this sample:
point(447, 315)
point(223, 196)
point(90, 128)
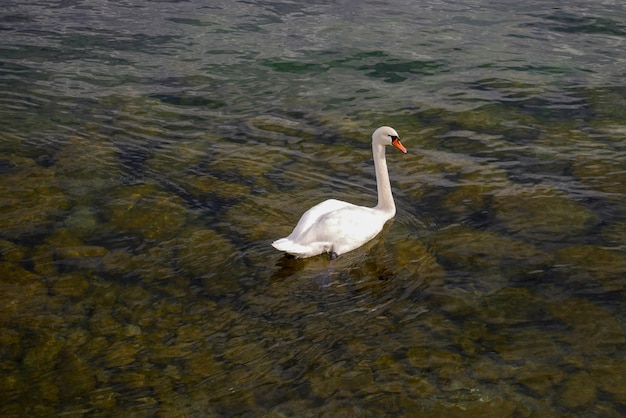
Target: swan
point(337, 227)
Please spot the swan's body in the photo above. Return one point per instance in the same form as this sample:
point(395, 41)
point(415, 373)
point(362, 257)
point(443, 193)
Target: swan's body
point(337, 227)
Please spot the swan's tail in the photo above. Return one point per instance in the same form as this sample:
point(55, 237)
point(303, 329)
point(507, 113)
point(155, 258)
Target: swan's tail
point(286, 245)
point(281, 244)
point(290, 247)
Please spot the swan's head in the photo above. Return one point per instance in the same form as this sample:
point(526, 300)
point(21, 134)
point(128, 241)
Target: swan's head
point(386, 135)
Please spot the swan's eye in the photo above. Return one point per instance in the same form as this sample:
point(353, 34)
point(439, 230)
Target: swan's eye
point(393, 137)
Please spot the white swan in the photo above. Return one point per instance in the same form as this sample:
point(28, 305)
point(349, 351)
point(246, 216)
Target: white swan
point(337, 227)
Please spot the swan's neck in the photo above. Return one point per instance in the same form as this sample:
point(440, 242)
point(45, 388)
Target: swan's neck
point(385, 198)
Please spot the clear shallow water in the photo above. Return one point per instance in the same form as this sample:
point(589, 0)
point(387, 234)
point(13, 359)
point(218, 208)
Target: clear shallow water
point(151, 152)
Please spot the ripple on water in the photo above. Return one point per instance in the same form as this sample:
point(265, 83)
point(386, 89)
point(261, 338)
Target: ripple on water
point(147, 166)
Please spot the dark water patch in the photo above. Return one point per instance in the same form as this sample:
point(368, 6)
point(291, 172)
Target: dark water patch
point(6, 166)
point(605, 103)
point(187, 82)
point(40, 54)
point(543, 69)
point(189, 100)
point(283, 9)
point(504, 120)
point(15, 18)
point(363, 55)
point(249, 27)
point(357, 60)
point(189, 21)
point(294, 67)
point(500, 84)
point(572, 23)
point(532, 100)
point(136, 42)
point(133, 159)
point(395, 70)
point(376, 64)
point(207, 202)
point(548, 111)
point(8, 68)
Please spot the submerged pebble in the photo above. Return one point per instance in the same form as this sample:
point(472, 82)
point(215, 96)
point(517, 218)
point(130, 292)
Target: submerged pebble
point(80, 251)
point(32, 199)
point(120, 353)
point(478, 250)
point(541, 214)
point(145, 210)
point(591, 266)
point(11, 252)
point(594, 331)
point(579, 390)
point(95, 169)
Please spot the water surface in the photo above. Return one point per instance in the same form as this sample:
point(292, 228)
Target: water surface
point(151, 152)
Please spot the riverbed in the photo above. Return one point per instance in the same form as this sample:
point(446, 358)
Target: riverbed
point(150, 152)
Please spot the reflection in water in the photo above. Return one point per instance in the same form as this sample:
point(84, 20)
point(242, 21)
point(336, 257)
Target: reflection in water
point(150, 155)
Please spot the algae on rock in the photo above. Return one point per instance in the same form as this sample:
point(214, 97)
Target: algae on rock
point(541, 214)
point(32, 199)
point(146, 210)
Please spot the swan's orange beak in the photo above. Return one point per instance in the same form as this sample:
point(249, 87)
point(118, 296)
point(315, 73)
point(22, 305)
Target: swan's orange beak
point(396, 143)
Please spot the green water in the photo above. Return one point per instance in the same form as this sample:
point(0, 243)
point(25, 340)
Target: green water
point(151, 152)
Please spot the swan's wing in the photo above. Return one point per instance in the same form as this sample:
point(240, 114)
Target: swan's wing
point(348, 228)
point(311, 216)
